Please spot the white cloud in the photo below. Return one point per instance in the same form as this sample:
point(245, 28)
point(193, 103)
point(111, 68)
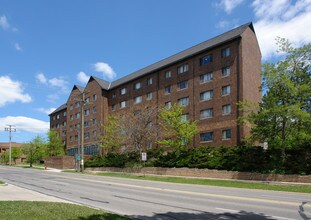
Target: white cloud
point(12, 91)
point(53, 82)
point(229, 5)
point(281, 19)
point(83, 77)
point(53, 97)
point(4, 22)
point(105, 69)
point(46, 110)
point(17, 47)
point(41, 78)
point(22, 123)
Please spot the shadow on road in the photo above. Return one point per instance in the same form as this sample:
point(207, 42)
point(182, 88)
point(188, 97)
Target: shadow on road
point(301, 211)
point(190, 216)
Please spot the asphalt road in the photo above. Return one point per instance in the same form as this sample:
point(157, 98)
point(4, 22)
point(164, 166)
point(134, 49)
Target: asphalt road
point(155, 200)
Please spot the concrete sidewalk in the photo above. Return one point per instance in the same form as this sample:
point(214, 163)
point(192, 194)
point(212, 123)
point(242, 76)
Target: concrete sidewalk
point(10, 192)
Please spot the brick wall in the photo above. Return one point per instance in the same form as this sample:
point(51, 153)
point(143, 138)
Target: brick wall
point(206, 173)
point(60, 162)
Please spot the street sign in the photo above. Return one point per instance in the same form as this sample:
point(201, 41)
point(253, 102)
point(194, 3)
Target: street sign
point(143, 156)
point(78, 157)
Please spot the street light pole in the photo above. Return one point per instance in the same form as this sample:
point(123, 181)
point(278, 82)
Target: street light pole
point(10, 129)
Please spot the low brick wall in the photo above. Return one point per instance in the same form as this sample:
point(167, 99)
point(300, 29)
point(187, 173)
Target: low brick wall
point(206, 173)
point(60, 162)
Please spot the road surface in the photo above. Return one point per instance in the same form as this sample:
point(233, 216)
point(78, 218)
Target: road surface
point(166, 201)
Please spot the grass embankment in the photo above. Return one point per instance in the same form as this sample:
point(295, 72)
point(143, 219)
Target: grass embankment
point(16, 210)
point(212, 182)
point(1, 182)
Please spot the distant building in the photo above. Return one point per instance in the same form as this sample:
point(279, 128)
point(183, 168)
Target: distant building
point(5, 147)
point(208, 79)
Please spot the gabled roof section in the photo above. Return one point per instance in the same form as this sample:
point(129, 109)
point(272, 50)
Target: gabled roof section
point(80, 88)
point(103, 83)
point(60, 108)
point(220, 39)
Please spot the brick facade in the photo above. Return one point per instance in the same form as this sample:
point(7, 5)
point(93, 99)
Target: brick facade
point(212, 77)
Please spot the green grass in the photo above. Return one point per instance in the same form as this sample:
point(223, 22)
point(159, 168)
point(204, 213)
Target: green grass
point(1, 182)
point(28, 166)
point(16, 210)
point(210, 182)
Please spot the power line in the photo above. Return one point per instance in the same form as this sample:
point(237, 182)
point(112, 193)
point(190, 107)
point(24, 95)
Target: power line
point(10, 129)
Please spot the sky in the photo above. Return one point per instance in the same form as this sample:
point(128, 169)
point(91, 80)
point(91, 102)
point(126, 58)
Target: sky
point(47, 47)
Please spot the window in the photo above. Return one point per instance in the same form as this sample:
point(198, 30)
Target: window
point(226, 134)
point(94, 121)
point(76, 137)
point(94, 109)
point(87, 123)
point(123, 91)
point(94, 97)
point(225, 52)
point(113, 107)
point(225, 71)
point(77, 104)
point(77, 115)
point(87, 112)
point(87, 100)
point(168, 90)
point(53, 118)
point(137, 86)
point(57, 126)
point(86, 135)
point(168, 105)
point(71, 117)
point(123, 104)
point(149, 95)
point(70, 139)
point(183, 101)
point(226, 109)
point(70, 128)
point(114, 95)
point(57, 116)
point(94, 135)
point(184, 118)
point(207, 136)
point(137, 100)
point(204, 96)
point(149, 81)
point(168, 74)
point(225, 90)
point(206, 60)
point(183, 85)
point(206, 77)
point(64, 114)
point(206, 113)
point(64, 124)
point(182, 69)
point(71, 106)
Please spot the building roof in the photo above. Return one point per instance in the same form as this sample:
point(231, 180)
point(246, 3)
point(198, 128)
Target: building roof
point(6, 145)
point(60, 108)
point(220, 39)
point(103, 83)
point(80, 88)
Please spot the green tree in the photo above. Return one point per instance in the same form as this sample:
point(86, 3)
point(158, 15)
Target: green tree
point(177, 131)
point(55, 146)
point(283, 118)
point(112, 138)
point(35, 150)
point(16, 153)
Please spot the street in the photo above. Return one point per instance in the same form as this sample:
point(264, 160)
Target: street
point(157, 200)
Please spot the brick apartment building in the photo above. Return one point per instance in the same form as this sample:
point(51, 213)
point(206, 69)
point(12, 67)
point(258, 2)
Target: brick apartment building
point(208, 79)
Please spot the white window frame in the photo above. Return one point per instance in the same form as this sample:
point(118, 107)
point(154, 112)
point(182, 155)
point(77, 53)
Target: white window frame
point(209, 114)
point(226, 90)
point(225, 134)
point(137, 99)
point(122, 104)
point(206, 77)
point(183, 68)
point(226, 109)
point(207, 95)
point(168, 74)
point(226, 71)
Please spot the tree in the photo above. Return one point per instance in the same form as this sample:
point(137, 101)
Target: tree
point(55, 146)
point(177, 130)
point(16, 153)
point(112, 138)
point(283, 119)
point(35, 150)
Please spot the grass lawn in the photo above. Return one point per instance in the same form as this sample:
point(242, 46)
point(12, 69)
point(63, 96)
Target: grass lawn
point(1, 182)
point(210, 182)
point(16, 210)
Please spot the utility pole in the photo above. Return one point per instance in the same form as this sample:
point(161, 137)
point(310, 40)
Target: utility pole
point(10, 129)
point(82, 131)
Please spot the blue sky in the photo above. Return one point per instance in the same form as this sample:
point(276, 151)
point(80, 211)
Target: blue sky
point(46, 47)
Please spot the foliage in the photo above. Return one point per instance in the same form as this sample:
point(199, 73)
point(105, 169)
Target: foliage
point(16, 153)
point(5, 157)
point(35, 150)
point(177, 131)
point(109, 160)
point(283, 119)
point(112, 138)
point(55, 146)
